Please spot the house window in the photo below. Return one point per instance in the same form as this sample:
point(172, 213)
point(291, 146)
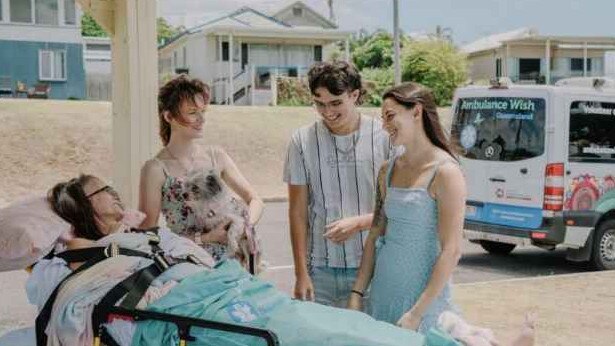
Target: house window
point(498, 67)
point(529, 69)
point(52, 65)
point(175, 60)
point(21, 11)
point(297, 11)
point(70, 15)
point(224, 51)
point(576, 64)
point(1, 19)
point(317, 53)
point(46, 12)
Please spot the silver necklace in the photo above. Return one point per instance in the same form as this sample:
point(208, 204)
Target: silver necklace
point(186, 169)
point(353, 144)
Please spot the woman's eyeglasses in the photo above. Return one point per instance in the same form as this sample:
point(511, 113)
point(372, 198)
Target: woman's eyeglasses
point(108, 189)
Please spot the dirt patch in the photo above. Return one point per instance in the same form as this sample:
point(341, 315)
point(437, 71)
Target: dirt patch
point(43, 142)
point(575, 309)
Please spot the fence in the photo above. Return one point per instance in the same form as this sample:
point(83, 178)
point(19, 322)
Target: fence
point(98, 87)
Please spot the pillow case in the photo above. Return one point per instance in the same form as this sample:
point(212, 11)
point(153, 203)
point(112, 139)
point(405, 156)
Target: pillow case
point(29, 230)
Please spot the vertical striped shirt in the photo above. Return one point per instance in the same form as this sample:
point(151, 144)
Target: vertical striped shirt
point(340, 173)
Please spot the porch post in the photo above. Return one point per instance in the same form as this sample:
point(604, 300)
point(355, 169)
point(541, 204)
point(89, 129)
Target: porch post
point(506, 52)
point(135, 84)
point(585, 59)
point(231, 87)
point(548, 62)
point(252, 83)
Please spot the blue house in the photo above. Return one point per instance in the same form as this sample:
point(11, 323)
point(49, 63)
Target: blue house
point(41, 43)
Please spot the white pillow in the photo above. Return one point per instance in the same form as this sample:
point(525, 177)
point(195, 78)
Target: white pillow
point(29, 230)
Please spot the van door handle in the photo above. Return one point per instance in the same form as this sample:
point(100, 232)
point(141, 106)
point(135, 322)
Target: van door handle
point(523, 170)
point(498, 180)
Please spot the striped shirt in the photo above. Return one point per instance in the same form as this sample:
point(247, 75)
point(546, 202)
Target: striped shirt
point(340, 172)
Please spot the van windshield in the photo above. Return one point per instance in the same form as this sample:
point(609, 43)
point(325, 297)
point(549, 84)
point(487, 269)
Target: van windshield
point(500, 128)
point(592, 132)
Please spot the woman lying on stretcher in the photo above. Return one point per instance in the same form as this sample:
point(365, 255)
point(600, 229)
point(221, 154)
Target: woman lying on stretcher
point(225, 294)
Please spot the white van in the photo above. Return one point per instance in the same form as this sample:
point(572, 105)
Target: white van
point(540, 167)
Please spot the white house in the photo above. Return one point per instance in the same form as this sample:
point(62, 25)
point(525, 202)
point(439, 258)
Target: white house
point(527, 57)
point(239, 54)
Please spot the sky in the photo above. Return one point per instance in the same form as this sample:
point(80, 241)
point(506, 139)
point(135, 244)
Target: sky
point(468, 19)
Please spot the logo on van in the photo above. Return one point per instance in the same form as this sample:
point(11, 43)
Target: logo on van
point(489, 152)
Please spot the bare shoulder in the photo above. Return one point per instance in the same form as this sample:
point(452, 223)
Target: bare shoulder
point(152, 169)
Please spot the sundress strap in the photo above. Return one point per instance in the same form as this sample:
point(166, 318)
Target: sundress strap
point(435, 171)
point(164, 167)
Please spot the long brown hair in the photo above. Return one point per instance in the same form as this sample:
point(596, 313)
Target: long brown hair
point(409, 95)
point(172, 94)
point(69, 201)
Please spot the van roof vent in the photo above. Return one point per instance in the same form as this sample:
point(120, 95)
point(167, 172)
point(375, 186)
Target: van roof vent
point(587, 82)
point(500, 83)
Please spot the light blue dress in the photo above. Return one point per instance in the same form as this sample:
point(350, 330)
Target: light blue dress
point(406, 255)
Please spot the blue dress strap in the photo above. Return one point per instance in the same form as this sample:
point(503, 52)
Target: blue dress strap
point(163, 166)
point(391, 164)
point(435, 171)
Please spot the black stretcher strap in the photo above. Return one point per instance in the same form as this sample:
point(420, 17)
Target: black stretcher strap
point(45, 314)
point(83, 255)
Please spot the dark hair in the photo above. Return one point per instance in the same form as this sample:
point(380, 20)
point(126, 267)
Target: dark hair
point(69, 201)
point(337, 77)
point(172, 94)
point(409, 95)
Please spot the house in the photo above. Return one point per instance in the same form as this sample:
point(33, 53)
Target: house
point(97, 64)
point(41, 45)
point(524, 56)
point(239, 54)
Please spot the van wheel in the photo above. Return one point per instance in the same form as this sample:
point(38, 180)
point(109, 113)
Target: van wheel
point(497, 248)
point(603, 256)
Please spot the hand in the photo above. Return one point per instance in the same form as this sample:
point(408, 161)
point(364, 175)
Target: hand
point(410, 321)
point(219, 234)
point(304, 289)
point(355, 302)
point(340, 230)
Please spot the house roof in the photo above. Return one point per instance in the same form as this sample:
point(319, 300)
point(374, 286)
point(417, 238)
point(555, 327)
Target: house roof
point(328, 23)
point(248, 21)
point(531, 36)
point(495, 41)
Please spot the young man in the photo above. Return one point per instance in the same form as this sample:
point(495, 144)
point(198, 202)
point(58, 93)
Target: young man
point(331, 170)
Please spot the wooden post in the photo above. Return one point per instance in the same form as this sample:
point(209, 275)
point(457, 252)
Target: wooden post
point(131, 24)
point(135, 89)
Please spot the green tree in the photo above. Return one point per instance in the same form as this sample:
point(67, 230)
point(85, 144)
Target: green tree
point(166, 31)
point(436, 64)
point(90, 28)
point(374, 51)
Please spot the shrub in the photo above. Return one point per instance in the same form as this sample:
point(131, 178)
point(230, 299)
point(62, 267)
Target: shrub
point(293, 92)
point(376, 81)
point(436, 64)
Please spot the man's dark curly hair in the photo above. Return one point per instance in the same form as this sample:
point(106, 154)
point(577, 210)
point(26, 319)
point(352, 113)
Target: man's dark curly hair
point(337, 77)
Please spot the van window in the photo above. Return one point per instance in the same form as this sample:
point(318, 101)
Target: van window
point(500, 128)
point(592, 132)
